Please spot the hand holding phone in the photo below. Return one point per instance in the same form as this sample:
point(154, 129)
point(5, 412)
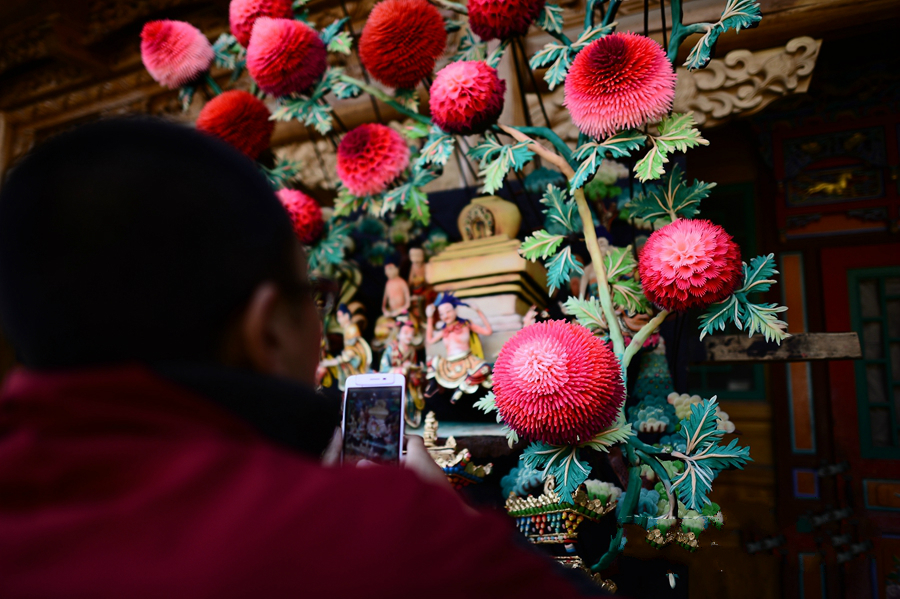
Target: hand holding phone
point(372, 423)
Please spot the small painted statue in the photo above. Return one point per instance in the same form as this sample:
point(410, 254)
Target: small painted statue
point(396, 301)
point(357, 355)
point(400, 357)
point(464, 369)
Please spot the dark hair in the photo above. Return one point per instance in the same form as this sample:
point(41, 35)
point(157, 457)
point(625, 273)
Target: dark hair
point(343, 308)
point(134, 240)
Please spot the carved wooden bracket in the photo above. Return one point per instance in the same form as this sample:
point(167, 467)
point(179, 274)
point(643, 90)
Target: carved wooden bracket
point(745, 82)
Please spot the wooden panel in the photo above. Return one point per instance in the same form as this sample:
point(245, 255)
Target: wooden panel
point(811, 576)
point(799, 348)
point(882, 494)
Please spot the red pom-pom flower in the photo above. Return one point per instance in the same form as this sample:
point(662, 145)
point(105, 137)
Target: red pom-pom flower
point(175, 53)
point(466, 97)
point(305, 213)
point(242, 14)
point(556, 382)
point(502, 19)
point(239, 119)
point(689, 263)
point(619, 81)
point(370, 157)
point(285, 56)
point(401, 41)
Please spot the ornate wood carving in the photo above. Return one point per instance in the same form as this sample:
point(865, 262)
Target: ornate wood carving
point(745, 82)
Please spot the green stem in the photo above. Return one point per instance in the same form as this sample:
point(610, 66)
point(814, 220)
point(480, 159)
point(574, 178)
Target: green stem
point(680, 31)
point(213, 85)
point(637, 342)
point(611, 11)
point(663, 477)
point(630, 502)
point(558, 144)
point(373, 91)
point(597, 258)
point(454, 6)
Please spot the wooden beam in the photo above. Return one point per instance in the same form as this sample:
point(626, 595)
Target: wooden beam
point(799, 348)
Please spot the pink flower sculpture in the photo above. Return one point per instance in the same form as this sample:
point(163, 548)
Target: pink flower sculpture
point(175, 53)
point(242, 14)
point(401, 41)
point(240, 119)
point(466, 97)
point(502, 19)
point(305, 213)
point(285, 56)
point(689, 263)
point(370, 157)
point(619, 81)
point(556, 382)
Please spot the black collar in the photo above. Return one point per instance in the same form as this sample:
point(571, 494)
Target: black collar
point(285, 412)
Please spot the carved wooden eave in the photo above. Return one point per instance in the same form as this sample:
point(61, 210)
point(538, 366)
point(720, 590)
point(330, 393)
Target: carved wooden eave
point(744, 82)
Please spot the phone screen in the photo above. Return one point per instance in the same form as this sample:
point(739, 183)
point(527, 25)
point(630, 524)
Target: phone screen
point(372, 424)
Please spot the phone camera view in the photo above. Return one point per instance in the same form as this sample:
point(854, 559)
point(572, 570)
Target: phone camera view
point(372, 428)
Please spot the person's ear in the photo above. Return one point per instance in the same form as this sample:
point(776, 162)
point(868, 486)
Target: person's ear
point(264, 333)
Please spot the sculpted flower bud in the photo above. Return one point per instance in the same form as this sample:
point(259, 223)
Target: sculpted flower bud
point(466, 97)
point(370, 157)
point(285, 56)
point(175, 53)
point(239, 119)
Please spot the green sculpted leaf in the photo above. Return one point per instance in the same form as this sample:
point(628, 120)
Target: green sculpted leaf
point(622, 144)
point(228, 52)
point(559, 209)
point(761, 318)
point(438, 148)
point(551, 19)
point(319, 117)
point(341, 43)
point(408, 98)
point(619, 263)
point(703, 458)
point(676, 133)
point(557, 72)
point(496, 160)
point(560, 267)
point(417, 205)
point(487, 403)
point(561, 462)
point(588, 313)
point(674, 199)
point(512, 437)
point(611, 435)
point(540, 245)
point(592, 34)
point(744, 313)
point(629, 294)
point(738, 14)
point(416, 130)
point(469, 48)
point(758, 276)
point(591, 157)
point(651, 165)
point(548, 54)
point(329, 33)
point(493, 59)
point(344, 90)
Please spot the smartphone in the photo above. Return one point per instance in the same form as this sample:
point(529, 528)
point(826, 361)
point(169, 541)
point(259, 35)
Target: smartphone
point(372, 422)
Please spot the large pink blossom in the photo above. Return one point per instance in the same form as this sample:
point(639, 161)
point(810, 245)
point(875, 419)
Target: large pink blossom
point(619, 81)
point(174, 52)
point(688, 264)
point(240, 119)
point(466, 97)
point(285, 56)
point(556, 382)
point(370, 157)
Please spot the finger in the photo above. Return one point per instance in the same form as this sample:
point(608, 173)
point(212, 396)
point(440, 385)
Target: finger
point(332, 455)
